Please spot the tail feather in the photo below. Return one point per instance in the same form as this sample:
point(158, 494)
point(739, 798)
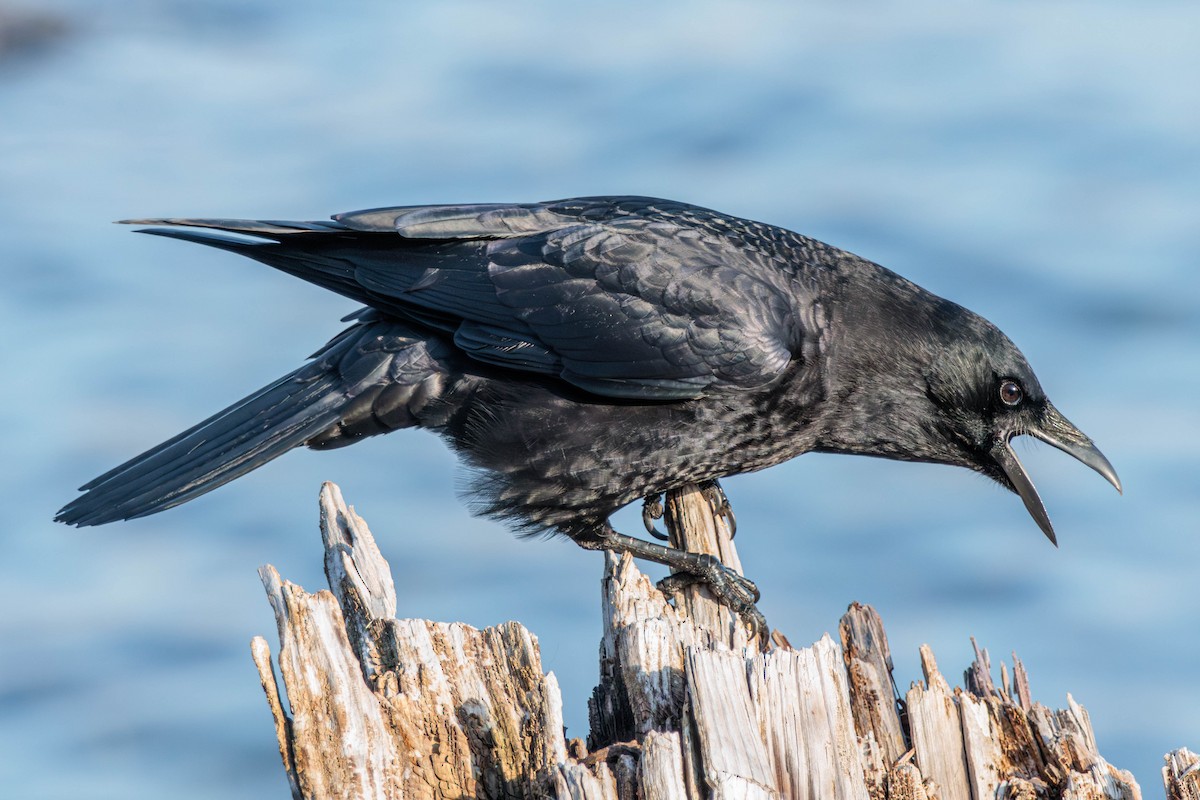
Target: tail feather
point(290, 412)
point(237, 440)
point(154, 458)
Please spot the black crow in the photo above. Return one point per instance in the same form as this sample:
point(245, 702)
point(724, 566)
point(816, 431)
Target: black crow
point(583, 354)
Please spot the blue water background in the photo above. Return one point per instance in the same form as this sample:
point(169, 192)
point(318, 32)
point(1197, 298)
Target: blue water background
point(1037, 162)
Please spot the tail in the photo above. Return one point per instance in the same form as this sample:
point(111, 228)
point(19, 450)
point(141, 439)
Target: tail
point(376, 376)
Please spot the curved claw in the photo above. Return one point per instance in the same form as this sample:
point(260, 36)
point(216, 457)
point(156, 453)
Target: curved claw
point(720, 505)
point(727, 513)
point(652, 509)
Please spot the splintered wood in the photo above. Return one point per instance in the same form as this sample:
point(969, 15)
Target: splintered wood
point(688, 706)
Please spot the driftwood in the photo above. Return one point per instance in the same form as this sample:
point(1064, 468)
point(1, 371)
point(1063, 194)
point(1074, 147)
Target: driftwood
point(688, 705)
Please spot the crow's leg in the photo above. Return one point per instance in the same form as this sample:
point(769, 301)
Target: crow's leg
point(652, 509)
point(715, 495)
point(736, 592)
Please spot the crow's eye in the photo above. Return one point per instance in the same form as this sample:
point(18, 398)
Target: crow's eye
point(1010, 393)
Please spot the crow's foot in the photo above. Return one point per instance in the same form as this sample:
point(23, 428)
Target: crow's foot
point(736, 592)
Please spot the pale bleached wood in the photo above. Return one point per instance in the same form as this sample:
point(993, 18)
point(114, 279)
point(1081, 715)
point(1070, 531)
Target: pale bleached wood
point(662, 767)
point(729, 736)
point(1181, 775)
point(358, 574)
point(326, 692)
point(645, 636)
point(688, 706)
point(1020, 685)
point(1010, 751)
point(796, 738)
point(554, 746)
point(905, 782)
point(937, 732)
point(261, 653)
point(410, 708)
point(803, 702)
point(875, 767)
point(982, 746)
point(641, 658)
point(977, 678)
point(573, 781)
point(1073, 762)
point(869, 668)
point(983, 737)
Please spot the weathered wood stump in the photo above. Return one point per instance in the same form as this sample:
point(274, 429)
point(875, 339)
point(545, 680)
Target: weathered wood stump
point(688, 706)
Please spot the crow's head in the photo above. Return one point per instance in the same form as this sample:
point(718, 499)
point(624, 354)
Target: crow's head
point(985, 394)
point(928, 380)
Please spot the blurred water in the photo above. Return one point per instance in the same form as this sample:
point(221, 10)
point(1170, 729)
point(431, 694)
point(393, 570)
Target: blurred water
point(1035, 161)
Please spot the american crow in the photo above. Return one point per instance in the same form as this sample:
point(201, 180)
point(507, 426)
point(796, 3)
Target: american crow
point(584, 353)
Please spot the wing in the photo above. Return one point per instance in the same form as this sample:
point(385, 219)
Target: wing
point(630, 298)
point(623, 297)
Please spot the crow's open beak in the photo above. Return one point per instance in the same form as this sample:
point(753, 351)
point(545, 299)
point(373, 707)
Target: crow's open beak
point(1057, 430)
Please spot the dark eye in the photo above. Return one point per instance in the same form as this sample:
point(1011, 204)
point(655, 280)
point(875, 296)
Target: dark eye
point(1011, 393)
